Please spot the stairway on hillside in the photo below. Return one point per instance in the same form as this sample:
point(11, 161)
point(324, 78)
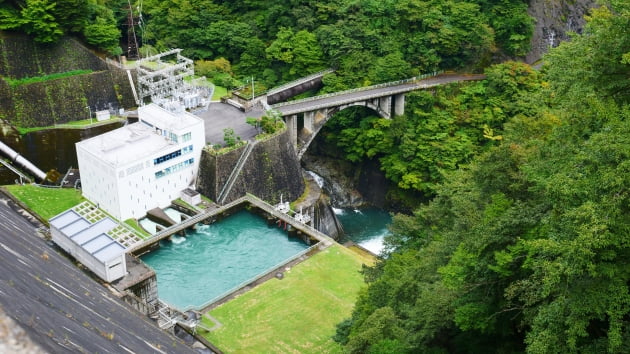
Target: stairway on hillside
point(227, 188)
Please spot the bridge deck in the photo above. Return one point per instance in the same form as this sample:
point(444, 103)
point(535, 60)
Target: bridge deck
point(366, 93)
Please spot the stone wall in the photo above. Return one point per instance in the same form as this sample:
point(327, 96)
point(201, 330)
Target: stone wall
point(65, 100)
point(61, 100)
point(22, 57)
point(271, 170)
point(214, 171)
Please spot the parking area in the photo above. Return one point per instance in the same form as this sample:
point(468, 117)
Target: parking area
point(220, 116)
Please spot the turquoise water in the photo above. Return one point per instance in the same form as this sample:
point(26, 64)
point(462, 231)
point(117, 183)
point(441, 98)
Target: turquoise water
point(215, 258)
point(366, 227)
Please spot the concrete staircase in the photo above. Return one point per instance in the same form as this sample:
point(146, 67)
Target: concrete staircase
point(227, 188)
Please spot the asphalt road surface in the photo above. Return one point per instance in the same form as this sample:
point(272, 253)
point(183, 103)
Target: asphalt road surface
point(221, 115)
point(335, 100)
point(59, 306)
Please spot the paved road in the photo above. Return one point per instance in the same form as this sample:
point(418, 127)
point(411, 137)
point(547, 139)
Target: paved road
point(59, 306)
point(220, 116)
point(325, 101)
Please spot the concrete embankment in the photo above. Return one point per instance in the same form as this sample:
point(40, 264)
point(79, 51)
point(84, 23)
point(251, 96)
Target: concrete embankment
point(271, 170)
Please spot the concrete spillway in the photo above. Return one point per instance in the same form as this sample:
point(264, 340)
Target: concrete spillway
point(22, 162)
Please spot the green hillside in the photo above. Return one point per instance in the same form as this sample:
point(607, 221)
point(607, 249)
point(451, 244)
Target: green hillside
point(47, 84)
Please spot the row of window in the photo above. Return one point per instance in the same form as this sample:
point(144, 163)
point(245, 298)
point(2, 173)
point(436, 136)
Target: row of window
point(167, 171)
point(186, 150)
point(167, 157)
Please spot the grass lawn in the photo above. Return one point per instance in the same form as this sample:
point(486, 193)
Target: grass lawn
point(133, 223)
point(297, 314)
point(218, 92)
point(74, 124)
point(46, 202)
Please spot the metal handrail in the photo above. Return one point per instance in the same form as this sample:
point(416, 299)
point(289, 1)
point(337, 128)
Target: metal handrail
point(349, 100)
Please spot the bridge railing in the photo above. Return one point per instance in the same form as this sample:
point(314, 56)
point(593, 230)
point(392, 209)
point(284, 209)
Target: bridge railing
point(303, 79)
point(358, 89)
point(341, 102)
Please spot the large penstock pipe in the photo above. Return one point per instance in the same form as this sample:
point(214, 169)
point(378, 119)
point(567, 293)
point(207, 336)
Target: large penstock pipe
point(21, 161)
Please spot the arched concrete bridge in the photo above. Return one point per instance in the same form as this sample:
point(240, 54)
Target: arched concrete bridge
point(386, 99)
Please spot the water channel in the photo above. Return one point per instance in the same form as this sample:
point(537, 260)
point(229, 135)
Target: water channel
point(215, 258)
point(48, 149)
point(366, 227)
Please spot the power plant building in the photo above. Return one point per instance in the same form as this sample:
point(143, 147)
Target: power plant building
point(90, 243)
point(143, 165)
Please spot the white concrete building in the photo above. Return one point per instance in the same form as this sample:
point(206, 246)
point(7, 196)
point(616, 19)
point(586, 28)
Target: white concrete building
point(191, 197)
point(90, 243)
point(143, 165)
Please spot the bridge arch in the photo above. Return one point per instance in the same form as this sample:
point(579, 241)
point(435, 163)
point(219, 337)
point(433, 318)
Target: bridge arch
point(387, 100)
point(314, 121)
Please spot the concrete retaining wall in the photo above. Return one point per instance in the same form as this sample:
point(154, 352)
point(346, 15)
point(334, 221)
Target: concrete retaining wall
point(272, 169)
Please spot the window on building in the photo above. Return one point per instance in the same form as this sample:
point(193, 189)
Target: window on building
point(177, 167)
point(186, 137)
point(167, 157)
point(172, 137)
point(187, 149)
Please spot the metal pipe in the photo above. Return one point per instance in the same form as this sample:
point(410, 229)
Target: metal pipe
point(21, 161)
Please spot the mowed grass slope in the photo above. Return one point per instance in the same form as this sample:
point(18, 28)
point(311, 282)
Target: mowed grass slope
point(46, 202)
point(297, 314)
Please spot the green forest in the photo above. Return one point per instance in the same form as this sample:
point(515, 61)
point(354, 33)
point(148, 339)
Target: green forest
point(526, 246)
point(515, 235)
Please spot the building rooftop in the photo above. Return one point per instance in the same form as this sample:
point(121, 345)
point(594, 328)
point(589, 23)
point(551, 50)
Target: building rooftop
point(190, 192)
point(131, 143)
point(92, 238)
point(137, 141)
point(164, 119)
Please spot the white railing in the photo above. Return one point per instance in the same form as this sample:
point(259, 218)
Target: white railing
point(338, 103)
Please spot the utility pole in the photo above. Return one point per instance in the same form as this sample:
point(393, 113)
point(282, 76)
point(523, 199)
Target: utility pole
point(89, 113)
point(252, 87)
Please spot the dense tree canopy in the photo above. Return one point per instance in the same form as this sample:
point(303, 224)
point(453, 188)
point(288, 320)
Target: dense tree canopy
point(525, 248)
point(46, 21)
point(278, 41)
point(523, 243)
point(440, 131)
